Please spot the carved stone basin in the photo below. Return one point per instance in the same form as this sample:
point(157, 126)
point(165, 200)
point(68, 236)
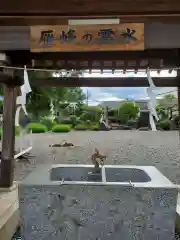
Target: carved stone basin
point(73, 202)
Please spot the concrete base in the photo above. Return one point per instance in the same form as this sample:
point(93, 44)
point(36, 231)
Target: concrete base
point(9, 213)
point(74, 209)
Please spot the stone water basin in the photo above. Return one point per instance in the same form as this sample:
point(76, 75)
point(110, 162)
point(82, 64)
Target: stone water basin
point(75, 202)
point(75, 173)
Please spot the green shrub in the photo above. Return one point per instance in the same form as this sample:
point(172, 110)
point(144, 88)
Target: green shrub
point(92, 113)
point(165, 124)
point(112, 112)
point(37, 128)
point(88, 122)
point(87, 126)
point(70, 120)
point(127, 111)
point(95, 127)
point(48, 123)
point(65, 121)
point(82, 126)
point(131, 123)
point(176, 120)
point(85, 116)
point(61, 128)
point(74, 120)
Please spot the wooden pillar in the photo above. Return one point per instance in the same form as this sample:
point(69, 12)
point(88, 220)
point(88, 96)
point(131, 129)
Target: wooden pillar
point(8, 137)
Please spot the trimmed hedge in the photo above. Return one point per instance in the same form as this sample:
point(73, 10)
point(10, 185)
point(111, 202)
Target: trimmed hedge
point(37, 128)
point(61, 128)
point(82, 127)
point(95, 127)
point(85, 126)
point(48, 123)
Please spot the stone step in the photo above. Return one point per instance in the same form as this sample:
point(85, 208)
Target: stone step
point(9, 213)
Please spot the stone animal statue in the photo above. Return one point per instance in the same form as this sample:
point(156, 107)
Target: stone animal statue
point(97, 158)
point(65, 144)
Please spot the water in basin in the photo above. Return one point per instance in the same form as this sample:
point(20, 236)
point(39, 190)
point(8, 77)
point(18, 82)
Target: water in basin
point(126, 175)
point(75, 174)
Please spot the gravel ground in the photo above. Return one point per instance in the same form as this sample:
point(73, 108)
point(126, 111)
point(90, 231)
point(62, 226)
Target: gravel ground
point(160, 149)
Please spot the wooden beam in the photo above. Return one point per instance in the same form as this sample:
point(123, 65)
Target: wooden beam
point(4, 78)
point(32, 20)
point(8, 137)
point(9, 79)
point(95, 64)
point(85, 60)
point(60, 20)
point(103, 82)
point(16, 56)
point(105, 56)
point(92, 8)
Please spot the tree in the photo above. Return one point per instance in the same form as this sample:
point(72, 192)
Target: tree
point(168, 103)
point(162, 112)
point(66, 100)
point(128, 111)
point(112, 112)
point(170, 97)
point(92, 113)
point(40, 100)
point(75, 95)
point(168, 100)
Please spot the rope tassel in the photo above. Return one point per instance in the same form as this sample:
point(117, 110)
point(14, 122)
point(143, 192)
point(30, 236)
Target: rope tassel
point(152, 102)
point(22, 123)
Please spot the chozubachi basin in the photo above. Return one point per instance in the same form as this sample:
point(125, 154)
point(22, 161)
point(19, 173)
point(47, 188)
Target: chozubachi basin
point(77, 202)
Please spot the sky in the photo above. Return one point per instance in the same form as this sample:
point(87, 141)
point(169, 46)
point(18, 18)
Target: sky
point(96, 95)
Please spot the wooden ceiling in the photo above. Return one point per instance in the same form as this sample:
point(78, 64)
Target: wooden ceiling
point(37, 12)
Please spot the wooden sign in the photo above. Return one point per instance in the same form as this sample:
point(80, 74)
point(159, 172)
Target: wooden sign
point(82, 38)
